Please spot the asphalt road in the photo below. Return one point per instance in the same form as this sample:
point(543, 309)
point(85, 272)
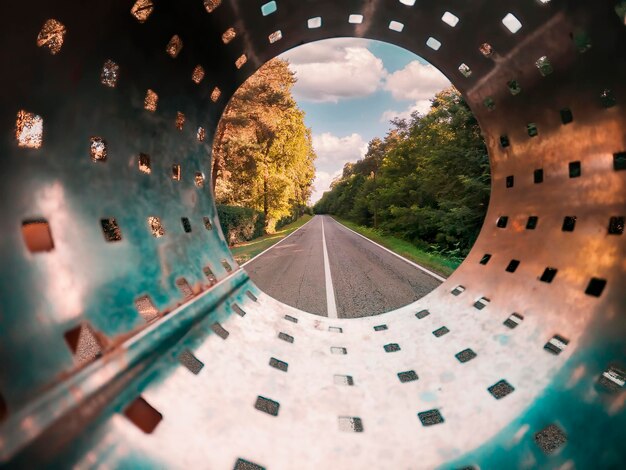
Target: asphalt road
point(366, 279)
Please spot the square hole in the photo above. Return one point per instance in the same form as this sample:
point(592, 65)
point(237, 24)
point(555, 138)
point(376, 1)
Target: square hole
point(156, 227)
point(184, 288)
point(37, 235)
point(215, 94)
point(198, 74)
point(514, 87)
point(531, 128)
point(512, 23)
point(595, 287)
point(269, 8)
point(146, 308)
point(350, 424)
point(465, 355)
point(219, 330)
point(504, 141)
point(142, 9)
point(275, 36)
point(143, 415)
point(29, 130)
point(544, 66)
point(458, 290)
point(191, 362)
point(267, 406)
point(227, 266)
point(441, 331)
point(250, 295)
point(619, 161)
point(109, 74)
point(176, 172)
point(407, 376)
point(512, 266)
point(98, 149)
point(338, 350)
point(481, 303)
point(285, 337)
point(566, 116)
point(186, 224)
point(144, 163)
point(242, 464)
point(83, 343)
point(575, 169)
point(550, 439)
point(532, 222)
point(291, 319)
point(548, 275)
point(485, 259)
point(391, 347)
point(335, 329)
point(538, 176)
point(51, 35)
point(211, 5)
point(111, 230)
point(238, 310)
point(486, 49)
point(607, 98)
point(450, 19)
point(180, 120)
point(430, 417)
point(278, 364)
point(500, 389)
point(422, 314)
point(198, 179)
point(616, 225)
point(510, 181)
point(355, 19)
point(314, 23)
point(569, 223)
point(380, 327)
point(343, 380)
point(201, 134)
point(489, 103)
point(151, 101)
point(556, 345)
point(208, 226)
point(502, 221)
point(241, 61)
point(229, 35)
point(612, 379)
point(396, 26)
point(209, 275)
point(514, 320)
point(465, 70)
point(433, 43)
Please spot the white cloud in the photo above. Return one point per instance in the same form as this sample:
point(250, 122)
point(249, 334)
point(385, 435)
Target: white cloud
point(331, 70)
point(322, 184)
point(416, 82)
point(421, 106)
point(334, 150)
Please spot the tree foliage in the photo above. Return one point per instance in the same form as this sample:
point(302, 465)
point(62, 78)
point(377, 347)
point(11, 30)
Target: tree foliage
point(426, 182)
point(263, 154)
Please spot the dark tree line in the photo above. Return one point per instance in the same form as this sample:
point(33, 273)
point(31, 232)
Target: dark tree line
point(427, 181)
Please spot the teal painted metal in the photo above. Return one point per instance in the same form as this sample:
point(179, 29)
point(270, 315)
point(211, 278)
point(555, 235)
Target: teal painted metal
point(62, 412)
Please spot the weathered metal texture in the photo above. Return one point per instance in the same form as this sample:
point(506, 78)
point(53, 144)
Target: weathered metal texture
point(218, 385)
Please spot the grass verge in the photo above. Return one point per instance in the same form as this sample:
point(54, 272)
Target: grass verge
point(246, 251)
point(434, 262)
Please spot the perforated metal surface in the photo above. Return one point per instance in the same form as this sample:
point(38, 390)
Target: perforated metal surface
point(105, 209)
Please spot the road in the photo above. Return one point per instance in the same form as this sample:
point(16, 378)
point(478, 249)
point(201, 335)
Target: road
point(357, 279)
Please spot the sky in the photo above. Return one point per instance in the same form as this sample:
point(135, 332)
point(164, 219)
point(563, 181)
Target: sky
point(350, 89)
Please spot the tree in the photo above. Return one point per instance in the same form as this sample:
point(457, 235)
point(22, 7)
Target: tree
point(263, 155)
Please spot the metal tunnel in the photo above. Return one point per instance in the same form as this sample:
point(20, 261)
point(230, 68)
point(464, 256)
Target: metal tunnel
point(130, 338)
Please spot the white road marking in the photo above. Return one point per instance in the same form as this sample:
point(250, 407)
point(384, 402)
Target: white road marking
point(427, 271)
point(331, 306)
point(274, 245)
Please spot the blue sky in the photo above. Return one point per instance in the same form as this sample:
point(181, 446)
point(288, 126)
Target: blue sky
point(350, 89)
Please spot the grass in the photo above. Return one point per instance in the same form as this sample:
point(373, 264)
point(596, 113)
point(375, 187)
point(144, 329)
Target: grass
point(246, 251)
point(438, 263)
